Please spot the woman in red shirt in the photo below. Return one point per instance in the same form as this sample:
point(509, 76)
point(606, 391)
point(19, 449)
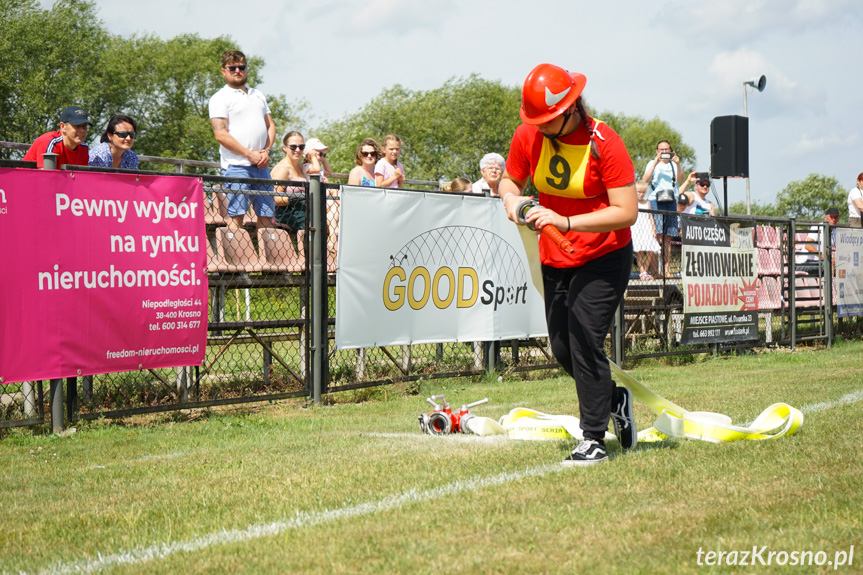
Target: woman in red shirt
point(586, 184)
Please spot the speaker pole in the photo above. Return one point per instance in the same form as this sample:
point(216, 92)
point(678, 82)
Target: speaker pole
point(746, 115)
point(725, 193)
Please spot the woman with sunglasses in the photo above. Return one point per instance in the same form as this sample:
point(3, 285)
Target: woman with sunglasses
point(695, 202)
point(586, 184)
point(115, 149)
point(367, 156)
point(291, 211)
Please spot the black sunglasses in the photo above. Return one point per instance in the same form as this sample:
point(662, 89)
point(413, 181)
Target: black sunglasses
point(240, 67)
point(295, 147)
point(124, 135)
point(370, 154)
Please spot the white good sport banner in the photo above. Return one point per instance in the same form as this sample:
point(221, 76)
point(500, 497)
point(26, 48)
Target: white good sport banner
point(422, 267)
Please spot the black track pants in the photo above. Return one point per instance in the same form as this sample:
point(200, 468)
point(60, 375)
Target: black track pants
point(579, 306)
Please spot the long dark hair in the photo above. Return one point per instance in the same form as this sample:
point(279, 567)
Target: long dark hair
point(112, 125)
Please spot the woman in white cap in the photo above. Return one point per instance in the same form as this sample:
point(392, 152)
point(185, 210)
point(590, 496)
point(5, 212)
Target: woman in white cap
point(316, 159)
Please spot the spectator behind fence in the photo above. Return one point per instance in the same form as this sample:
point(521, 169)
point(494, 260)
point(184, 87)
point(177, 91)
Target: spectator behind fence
point(831, 216)
point(457, 185)
point(389, 172)
point(115, 147)
point(244, 128)
point(491, 167)
point(662, 174)
point(316, 159)
point(367, 156)
point(67, 142)
point(291, 211)
point(855, 203)
point(643, 237)
point(807, 257)
point(696, 202)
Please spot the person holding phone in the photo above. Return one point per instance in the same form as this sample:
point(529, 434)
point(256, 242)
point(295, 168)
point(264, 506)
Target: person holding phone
point(696, 202)
point(662, 175)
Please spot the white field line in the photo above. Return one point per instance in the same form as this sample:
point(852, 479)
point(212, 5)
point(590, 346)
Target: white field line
point(852, 397)
point(453, 437)
point(141, 459)
point(301, 520)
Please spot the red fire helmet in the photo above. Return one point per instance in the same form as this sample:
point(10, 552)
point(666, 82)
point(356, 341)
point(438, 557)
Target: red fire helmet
point(548, 92)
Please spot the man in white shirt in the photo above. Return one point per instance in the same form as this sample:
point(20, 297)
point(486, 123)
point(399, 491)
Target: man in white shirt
point(244, 128)
point(855, 203)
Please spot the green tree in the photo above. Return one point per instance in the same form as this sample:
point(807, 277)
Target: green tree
point(64, 56)
point(50, 58)
point(447, 130)
point(755, 209)
point(641, 136)
point(809, 198)
point(166, 86)
point(444, 131)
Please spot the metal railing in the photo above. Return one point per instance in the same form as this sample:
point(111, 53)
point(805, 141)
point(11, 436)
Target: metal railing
point(270, 328)
point(180, 165)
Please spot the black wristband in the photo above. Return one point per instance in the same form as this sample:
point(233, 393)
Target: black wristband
point(568, 224)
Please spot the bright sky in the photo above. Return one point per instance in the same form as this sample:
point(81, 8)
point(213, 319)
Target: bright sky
point(680, 60)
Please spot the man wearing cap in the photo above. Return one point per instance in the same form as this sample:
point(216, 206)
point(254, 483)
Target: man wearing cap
point(67, 142)
point(491, 167)
point(244, 128)
point(696, 202)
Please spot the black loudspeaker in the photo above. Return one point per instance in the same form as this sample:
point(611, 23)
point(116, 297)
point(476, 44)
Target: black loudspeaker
point(729, 147)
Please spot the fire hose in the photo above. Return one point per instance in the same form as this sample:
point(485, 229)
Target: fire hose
point(777, 420)
point(550, 232)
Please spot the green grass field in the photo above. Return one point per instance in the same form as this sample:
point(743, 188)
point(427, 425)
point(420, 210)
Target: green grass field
point(353, 487)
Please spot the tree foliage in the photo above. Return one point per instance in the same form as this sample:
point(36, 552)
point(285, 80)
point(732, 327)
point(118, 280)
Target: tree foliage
point(49, 58)
point(809, 198)
point(64, 56)
point(444, 131)
point(447, 130)
point(755, 209)
point(179, 76)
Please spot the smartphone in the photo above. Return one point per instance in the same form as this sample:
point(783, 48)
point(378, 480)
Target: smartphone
point(702, 176)
point(666, 156)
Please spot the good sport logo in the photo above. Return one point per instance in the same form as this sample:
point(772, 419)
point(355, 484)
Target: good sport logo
point(455, 265)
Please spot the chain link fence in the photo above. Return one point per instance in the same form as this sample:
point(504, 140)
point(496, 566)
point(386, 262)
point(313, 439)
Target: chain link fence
point(262, 315)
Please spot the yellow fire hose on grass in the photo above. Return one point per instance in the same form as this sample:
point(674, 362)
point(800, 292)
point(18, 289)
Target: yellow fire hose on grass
point(776, 421)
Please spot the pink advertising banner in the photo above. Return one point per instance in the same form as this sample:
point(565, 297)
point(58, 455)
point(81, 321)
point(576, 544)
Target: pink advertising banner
point(101, 273)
